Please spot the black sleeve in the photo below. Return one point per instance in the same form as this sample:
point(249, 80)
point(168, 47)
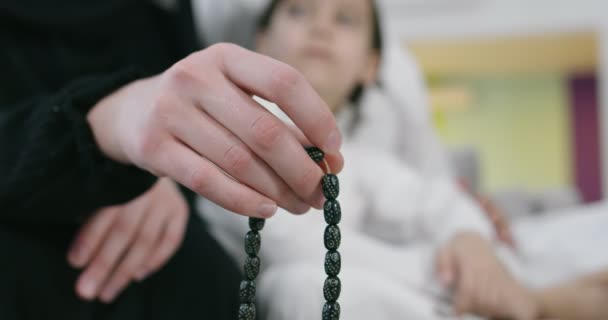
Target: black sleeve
point(51, 170)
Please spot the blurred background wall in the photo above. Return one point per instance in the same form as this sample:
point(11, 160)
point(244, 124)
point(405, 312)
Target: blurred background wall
point(522, 83)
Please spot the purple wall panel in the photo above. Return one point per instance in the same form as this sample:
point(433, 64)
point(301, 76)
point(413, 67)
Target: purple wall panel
point(585, 136)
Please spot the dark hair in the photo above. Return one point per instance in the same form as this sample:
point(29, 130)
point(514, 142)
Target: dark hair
point(377, 44)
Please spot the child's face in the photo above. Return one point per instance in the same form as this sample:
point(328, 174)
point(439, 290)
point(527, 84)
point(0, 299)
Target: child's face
point(328, 41)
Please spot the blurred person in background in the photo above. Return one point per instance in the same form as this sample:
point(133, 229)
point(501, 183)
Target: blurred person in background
point(399, 223)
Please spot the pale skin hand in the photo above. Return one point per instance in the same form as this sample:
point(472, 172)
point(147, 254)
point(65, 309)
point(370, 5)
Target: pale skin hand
point(501, 224)
point(197, 120)
point(482, 285)
point(499, 221)
point(582, 298)
point(128, 242)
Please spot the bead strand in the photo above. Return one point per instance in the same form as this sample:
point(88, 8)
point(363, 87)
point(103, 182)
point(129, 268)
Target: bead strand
point(253, 242)
point(332, 238)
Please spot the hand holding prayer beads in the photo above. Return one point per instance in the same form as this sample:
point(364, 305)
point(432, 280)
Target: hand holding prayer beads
point(332, 238)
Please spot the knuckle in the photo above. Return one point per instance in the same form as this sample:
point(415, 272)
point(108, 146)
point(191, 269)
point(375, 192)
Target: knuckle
point(222, 47)
point(219, 51)
point(199, 181)
point(285, 80)
point(180, 74)
point(183, 77)
point(237, 160)
point(267, 131)
point(162, 105)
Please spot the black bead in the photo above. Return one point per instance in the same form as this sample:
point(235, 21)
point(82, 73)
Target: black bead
point(333, 263)
point(247, 311)
point(253, 241)
point(331, 186)
point(332, 289)
point(256, 224)
point(331, 311)
point(332, 237)
point(315, 153)
point(332, 211)
point(247, 291)
point(252, 267)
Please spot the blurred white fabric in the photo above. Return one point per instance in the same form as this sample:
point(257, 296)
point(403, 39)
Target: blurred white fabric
point(563, 244)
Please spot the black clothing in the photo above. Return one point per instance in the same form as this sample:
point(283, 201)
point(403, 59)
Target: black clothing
point(57, 59)
point(199, 282)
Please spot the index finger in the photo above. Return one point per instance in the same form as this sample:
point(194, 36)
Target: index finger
point(283, 85)
point(90, 236)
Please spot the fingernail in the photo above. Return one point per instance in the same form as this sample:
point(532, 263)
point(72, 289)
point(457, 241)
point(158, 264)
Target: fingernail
point(334, 141)
point(88, 289)
point(75, 257)
point(108, 295)
point(267, 210)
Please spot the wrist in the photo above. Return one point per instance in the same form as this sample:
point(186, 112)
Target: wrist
point(100, 119)
point(105, 121)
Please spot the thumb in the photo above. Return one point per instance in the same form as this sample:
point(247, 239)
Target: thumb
point(445, 267)
point(335, 161)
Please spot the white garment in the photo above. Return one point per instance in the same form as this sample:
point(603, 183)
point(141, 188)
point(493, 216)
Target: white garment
point(392, 125)
point(296, 294)
point(563, 244)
